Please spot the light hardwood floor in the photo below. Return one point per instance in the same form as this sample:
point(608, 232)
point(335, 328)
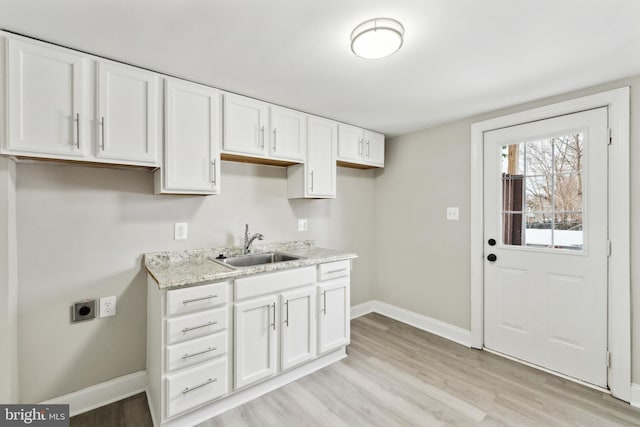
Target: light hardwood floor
point(397, 375)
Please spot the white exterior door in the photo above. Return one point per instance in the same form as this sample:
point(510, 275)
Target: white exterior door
point(298, 326)
point(333, 314)
point(127, 114)
point(192, 138)
point(546, 247)
point(256, 340)
point(45, 91)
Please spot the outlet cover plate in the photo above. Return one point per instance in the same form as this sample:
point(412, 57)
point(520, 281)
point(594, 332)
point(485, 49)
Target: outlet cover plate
point(453, 214)
point(107, 306)
point(181, 231)
point(302, 225)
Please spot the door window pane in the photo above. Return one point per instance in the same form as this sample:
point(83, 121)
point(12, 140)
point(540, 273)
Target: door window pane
point(542, 190)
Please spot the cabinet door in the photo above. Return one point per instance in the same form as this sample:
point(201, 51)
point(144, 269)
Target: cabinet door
point(245, 121)
point(255, 340)
point(297, 326)
point(45, 90)
point(288, 134)
point(333, 314)
point(192, 138)
point(350, 143)
point(321, 157)
point(127, 114)
point(374, 148)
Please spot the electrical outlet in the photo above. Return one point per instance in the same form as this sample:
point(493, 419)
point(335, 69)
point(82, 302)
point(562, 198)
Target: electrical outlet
point(181, 231)
point(302, 225)
point(453, 214)
point(107, 306)
point(83, 310)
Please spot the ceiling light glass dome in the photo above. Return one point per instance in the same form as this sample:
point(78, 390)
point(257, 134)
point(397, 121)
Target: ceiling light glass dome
point(377, 38)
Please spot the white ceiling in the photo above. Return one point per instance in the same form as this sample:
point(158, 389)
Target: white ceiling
point(460, 57)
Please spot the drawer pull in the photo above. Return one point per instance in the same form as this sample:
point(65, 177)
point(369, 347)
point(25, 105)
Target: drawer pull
point(185, 330)
point(209, 349)
point(207, 382)
point(336, 271)
point(187, 301)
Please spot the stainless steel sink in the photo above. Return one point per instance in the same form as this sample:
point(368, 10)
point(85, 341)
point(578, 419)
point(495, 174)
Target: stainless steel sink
point(256, 259)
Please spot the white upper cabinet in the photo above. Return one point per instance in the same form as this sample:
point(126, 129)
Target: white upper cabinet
point(65, 105)
point(192, 139)
point(46, 110)
point(350, 142)
point(127, 113)
point(359, 147)
point(288, 134)
point(246, 128)
point(316, 178)
point(373, 148)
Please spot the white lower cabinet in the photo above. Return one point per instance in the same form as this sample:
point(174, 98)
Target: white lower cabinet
point(333, 306)
point(298, 327)
point(196, 386)
point(256, 338)
point(212, 341)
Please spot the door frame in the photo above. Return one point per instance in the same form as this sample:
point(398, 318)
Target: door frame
point(619, 274)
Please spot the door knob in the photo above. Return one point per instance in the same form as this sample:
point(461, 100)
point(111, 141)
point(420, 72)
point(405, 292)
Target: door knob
point(492, 242)
point(492, 257)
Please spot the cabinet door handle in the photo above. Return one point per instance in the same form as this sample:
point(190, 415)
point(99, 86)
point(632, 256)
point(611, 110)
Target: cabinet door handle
point(262, 138)
point(324, 304)
point(368, 148)
point(102, 133)
point(214, 171)
point(360, 146)
point(187, 301)
point(312, 181)
point(273, 324)
point(286, 320)
point(77, 130)
point(207, 382)
point(274, 139)
point(209, 349)
point(192, 328)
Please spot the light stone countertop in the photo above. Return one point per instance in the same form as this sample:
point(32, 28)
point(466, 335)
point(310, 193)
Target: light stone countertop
point(192, 267)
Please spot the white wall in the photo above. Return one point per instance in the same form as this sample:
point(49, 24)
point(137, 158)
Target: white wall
point(82, 231)
point(8, 284)
point(426, 172)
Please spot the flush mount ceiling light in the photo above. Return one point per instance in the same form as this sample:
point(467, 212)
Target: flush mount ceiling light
point(377, 38)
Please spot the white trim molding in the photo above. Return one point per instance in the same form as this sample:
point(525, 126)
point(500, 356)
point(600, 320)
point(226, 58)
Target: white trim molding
point(102, 394)
point(619, 294)
point(635, 395)
point(420, 321)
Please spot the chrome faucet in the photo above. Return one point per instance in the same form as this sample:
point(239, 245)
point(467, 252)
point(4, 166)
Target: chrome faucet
point(246, 248)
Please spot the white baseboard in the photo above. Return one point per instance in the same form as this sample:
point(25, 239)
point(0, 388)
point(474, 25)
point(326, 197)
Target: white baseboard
point(102, 394)
point(362, 309)
point(420, 321)
point(635, 395)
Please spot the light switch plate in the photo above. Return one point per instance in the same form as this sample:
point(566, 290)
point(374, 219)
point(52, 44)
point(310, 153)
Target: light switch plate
point(453, 214)
point(181, 231)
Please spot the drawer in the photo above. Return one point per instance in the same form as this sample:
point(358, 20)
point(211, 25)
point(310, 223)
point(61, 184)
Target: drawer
point(270, 283)
point(195, 386)
point(195, 325)
point(197, 298)
point(332, 270)
point(196, 351)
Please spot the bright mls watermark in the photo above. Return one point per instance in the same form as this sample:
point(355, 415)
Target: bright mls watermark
point(34, 415)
